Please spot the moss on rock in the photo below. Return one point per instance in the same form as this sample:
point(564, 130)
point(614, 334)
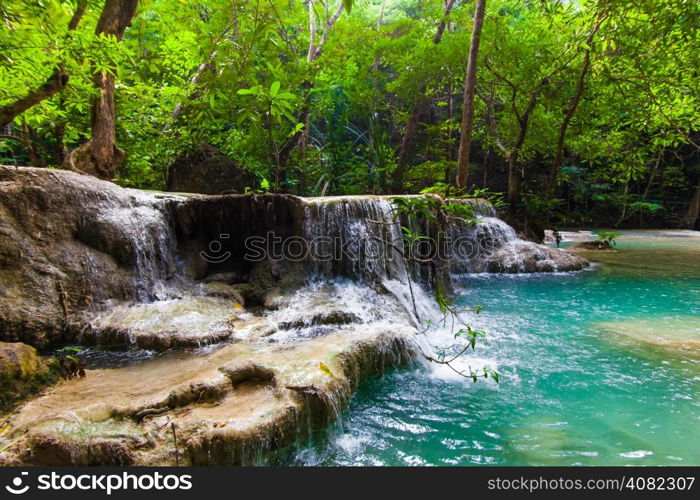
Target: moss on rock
point(23, 372)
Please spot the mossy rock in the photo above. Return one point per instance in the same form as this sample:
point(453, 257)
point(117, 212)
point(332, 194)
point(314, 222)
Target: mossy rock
point(597, 245)
point(22, 372)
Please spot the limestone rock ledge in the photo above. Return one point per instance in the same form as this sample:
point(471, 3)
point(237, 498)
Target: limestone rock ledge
point(238, 404)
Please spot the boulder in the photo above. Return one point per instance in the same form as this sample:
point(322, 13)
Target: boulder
point(22, 372)
point(206, 170)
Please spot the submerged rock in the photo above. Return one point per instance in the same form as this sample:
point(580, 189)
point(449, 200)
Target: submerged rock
point(677, 336)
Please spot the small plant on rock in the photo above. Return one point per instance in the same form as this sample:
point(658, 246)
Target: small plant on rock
point(71, 366)
point(607, 238)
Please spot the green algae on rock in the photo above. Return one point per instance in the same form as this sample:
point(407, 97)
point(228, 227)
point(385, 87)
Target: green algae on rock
point(23, 372)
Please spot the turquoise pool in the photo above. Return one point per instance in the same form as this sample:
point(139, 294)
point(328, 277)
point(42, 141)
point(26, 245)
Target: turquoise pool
point(600, 367)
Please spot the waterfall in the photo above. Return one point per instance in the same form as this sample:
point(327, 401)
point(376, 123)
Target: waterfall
point(367, 242)
point(140, 236)
point(369, 247)
point(87, 261)
point(490, 245)
point(95, 244)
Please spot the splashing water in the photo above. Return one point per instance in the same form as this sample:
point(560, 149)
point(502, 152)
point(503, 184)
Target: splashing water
point(591, 373)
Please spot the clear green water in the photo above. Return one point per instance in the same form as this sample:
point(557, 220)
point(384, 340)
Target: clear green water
point(573, 390)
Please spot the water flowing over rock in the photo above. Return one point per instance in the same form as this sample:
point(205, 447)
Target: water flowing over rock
point(70, 242)
point(278, 306)
point(499, 250)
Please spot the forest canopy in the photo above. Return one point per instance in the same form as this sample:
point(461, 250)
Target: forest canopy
point(584, 112)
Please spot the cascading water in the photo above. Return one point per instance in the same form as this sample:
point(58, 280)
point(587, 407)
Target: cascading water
point(152, 243)
point(361, 230)
point(490, 245)
point(141, 235)
point(130, 270)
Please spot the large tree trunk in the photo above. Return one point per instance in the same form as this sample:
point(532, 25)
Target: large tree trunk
point(408, 142)
point(469, 89)
point(100, 155)
point(694, 209)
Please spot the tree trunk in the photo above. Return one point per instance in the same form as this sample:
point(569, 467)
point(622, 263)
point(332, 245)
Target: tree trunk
point(301, 138)
point(469, 89)
point(513, 190)
point(569, 113)
point(54, 84)
point(487, 168)
point(374, 115)
point(29, 141)
point(652, 175)
point(100, 156)
point(694, 209)
point(408, 142)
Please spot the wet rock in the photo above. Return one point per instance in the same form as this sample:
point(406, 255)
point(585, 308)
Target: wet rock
point(69, 242)
point(527, 257)
point(84, 443)
point(216, 232)
point(231, 406)
point(225, 291)
point(601, 246)
point(206, 170)
point(246, 371)
point(228, 278)
point(335, 317)
point(189, 321)
point(493, 246)
point(197, 392)
point(23, 373)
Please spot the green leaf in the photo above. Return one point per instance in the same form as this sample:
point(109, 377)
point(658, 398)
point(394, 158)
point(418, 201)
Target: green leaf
point(274, 88)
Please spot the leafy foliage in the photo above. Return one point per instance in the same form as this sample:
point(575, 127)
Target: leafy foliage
point(316, 97)
point(608, 238)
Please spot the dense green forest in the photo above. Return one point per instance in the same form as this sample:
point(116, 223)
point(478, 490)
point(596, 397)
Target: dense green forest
point(577, 112)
